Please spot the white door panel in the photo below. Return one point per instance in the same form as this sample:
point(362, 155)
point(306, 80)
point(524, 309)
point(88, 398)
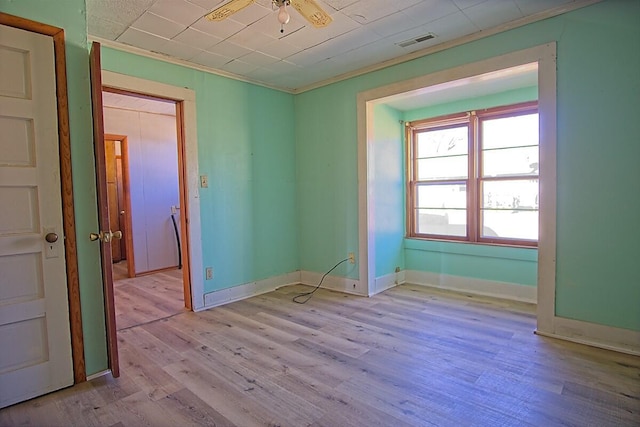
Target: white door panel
point(34, 314)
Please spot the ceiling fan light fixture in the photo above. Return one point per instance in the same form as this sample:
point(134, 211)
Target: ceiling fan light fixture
point(283, 15)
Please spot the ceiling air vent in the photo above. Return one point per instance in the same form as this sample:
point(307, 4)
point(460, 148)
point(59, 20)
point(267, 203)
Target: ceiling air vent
point(420, 39)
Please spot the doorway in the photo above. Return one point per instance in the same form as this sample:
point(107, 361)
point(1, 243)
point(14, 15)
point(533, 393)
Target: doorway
point(143, 187)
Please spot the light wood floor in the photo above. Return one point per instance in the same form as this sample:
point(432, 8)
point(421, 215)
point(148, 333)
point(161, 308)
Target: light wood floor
point(411, 356)
point(146, 298)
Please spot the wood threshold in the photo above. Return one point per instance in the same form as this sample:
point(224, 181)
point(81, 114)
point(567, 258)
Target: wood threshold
point(159, 270)
point(68, 212)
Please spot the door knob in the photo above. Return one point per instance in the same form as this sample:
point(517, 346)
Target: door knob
point(105, 236)
point(51, 237)
point(102, 236)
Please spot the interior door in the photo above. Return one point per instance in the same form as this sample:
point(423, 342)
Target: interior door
point(112, 194)
point(104, 235)
point(35, 342)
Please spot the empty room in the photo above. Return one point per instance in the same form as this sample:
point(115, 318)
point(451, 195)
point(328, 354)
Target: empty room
point(319, 212)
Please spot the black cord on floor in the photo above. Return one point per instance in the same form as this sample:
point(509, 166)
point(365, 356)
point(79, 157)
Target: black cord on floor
point(308, 295)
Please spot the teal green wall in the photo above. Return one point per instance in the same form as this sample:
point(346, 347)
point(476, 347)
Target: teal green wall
point(503, 264)
point(327, 179)
point(598, 174)
point(387, 153)
point(495, 263)
point(70, 15)
point(246, 146)
point(598, 96)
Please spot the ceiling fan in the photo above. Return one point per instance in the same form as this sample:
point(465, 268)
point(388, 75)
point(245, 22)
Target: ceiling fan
point(309, 9)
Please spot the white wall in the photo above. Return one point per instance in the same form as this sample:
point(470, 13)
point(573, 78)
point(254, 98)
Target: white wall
point(153, 179)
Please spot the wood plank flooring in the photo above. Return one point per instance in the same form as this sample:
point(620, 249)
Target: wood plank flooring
point(148, 298)
point(411, 356)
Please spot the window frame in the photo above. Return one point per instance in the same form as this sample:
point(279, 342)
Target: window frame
point(473, 119)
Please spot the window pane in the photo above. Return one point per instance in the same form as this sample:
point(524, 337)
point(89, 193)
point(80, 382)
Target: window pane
point(510, 161)
point(442, 196)
point(519, 194)
point(516, 131)
point(512, 224)
point(443, 168)
point(443, 142)
point(443, 222)
point(510, 209)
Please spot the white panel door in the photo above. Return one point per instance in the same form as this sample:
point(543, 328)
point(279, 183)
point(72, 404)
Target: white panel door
point(35, 344)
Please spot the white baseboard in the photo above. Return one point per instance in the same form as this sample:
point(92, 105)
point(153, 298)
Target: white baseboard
point(247, 290)
point(510, 291)
point(335, 283)
point(387, 281)
point(595, 335)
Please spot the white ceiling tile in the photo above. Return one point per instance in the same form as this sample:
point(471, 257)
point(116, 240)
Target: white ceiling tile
point(105, 28)
point(282, 67)
point(365, 12)
point(179, 11)
point(209, 59)
point(262, 74)
point(305, 58)
point(529, 7)
point(222, 29)
point(279, 49)
point(403, 4)
point(463, 4)
point(259, 59)
point(142, 40)
point(179, 50)
point(208, 4)
point(341, 24)
point(347, 42)
point(197, 39)
point(492, 13)
point(251, 39)
point(227, 48)
point(251, 14)
point(449, 27)
point(339, 4)
point(392, 24)
point(430, 10)
point(154, 24)
point(123, 11)
point(239, 67)
point(306, 37)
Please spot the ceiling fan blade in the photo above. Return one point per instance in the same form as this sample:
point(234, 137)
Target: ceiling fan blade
point(312, 12)
point(228, 9)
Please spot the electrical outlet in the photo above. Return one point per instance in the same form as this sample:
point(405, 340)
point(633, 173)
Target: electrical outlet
point(209, 273)
point(352, 258)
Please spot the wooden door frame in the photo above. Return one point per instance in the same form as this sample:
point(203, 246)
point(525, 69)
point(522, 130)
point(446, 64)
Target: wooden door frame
point(182, 179)
point(68, 212)
point(128, 232)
